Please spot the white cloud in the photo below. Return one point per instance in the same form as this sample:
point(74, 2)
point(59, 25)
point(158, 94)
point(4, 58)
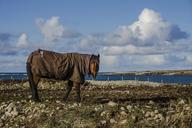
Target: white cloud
point(150, 34)
point(109, 60)
point(22, 41)
point(146, 43)
point(188, 59)
point(53, 30)
point(133, 50)
point(152, 60)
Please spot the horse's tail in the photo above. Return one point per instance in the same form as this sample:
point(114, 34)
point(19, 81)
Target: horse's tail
point(28, 68)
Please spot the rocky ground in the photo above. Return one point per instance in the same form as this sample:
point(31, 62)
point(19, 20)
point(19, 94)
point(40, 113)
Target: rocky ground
point(104, 104)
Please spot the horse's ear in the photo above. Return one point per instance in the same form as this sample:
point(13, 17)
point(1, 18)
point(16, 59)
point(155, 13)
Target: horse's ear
point(98, 55)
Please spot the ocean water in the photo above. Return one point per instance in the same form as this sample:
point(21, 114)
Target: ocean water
point(181, 79)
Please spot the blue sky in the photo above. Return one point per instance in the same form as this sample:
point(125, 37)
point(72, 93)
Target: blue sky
point(129, 35)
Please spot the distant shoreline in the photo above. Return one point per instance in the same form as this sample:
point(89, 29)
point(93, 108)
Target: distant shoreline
point(155, 72)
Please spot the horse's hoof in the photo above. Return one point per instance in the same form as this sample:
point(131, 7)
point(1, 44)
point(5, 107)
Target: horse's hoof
point(37, 100)
point(65, 100)
point(78, 100)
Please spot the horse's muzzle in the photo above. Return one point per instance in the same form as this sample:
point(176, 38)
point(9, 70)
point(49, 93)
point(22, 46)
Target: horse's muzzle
point(94, 76)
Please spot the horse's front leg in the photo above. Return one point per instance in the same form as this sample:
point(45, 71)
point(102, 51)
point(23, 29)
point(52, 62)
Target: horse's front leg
point(33, 85)
point(77, 87)
point(69, 88)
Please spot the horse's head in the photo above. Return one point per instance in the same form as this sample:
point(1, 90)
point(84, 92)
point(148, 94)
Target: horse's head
point(94, 65)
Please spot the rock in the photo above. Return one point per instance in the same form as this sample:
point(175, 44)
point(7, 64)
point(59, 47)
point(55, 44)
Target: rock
point(10, 107)
point(29, 97)
point(151, 102)
point(3, 117)
point(57, 101)
point(42, 106)
point(123, 121)
point(187, 108)
point(160, 116)
point(147, 106)
point(129, 108)
point(75, 104)
point(152, 114)
point(8, 114)
point(156, 111)
point(122, 108)
point(103, 113)
point(14, 113)
point(123, 113)
point(112, 121)
point(149, 119)
point(147, 114)
point(128, 92)
point(23, 101)
point(133, 117)
point(103, 122)
point(26, 84)
point(157, 121)
point(112, 104)
point(181, 102)
point(156, 117)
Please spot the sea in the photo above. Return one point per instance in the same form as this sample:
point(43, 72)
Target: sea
point(180, 79)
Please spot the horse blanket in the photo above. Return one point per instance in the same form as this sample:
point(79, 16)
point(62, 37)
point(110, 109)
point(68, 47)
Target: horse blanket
point(66, 66)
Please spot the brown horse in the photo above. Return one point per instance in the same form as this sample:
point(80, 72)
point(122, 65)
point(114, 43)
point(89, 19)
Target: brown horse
point(68, 66)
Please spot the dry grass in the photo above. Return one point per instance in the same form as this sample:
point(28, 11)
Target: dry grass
point(107, 105)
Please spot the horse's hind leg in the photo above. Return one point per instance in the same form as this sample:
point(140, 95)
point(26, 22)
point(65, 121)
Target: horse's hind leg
point(77, 87)
point(69, 88)
point(34, 84)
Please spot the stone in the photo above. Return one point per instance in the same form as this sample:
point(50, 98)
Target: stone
point(129, 107)
point(123, 121)
point(103, 122)
point(112, 104)
point(147, 114)
point(112, 121)
point(103, 113)
point(14, 113)
point(160, 116)
point(42, 106)
point(10, 107)
point(3, 117)
point(152, 114)
point(181, 102)
point(151, 102)
point(8, 114)
point(57, 101)
point(26, 84)
point(122, 108)
point(187, 108)
point(133, 117)
point(123, 113)
point(156, 111)
point(75, 104)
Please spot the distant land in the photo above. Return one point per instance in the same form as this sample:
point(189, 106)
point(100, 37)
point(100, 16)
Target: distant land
point(155, 72)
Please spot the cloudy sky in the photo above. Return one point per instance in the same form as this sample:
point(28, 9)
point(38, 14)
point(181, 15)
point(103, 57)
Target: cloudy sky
point(129, 35)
